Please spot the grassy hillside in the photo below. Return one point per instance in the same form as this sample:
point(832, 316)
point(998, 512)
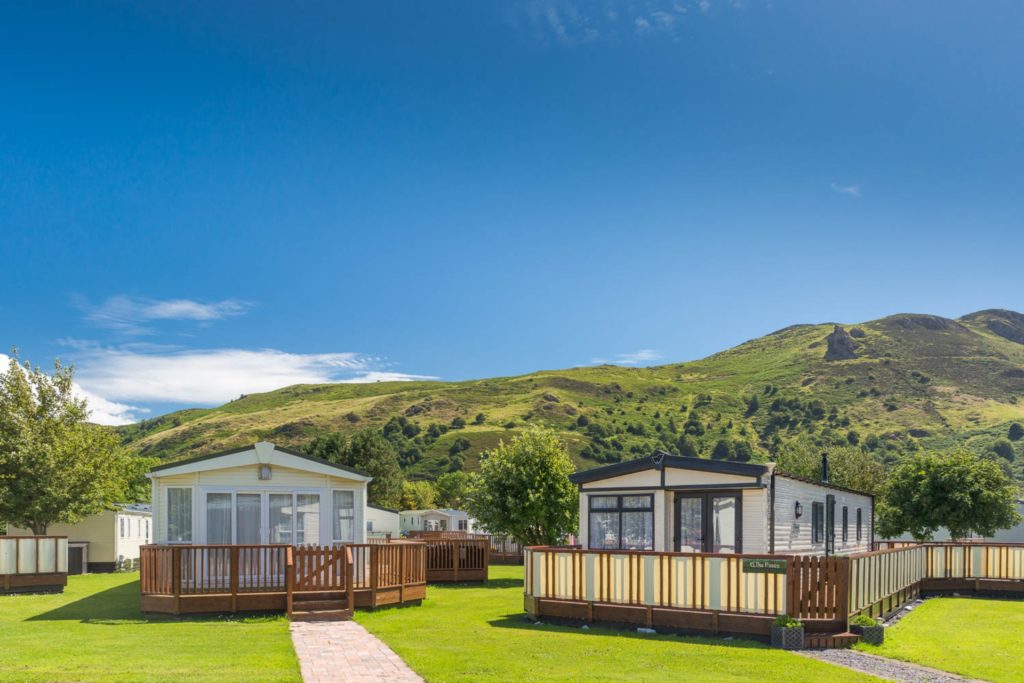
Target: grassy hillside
point(889, 386)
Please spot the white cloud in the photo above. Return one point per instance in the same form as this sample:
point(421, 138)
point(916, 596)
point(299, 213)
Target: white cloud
point(215, 376)
point(852, 190)
point(101, 411)
point(129, 314)
point(641, 357)
point(642, 25)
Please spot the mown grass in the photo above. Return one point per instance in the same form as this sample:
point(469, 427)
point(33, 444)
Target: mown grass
point(95, 632)
point(976, 638)
point(480, 633)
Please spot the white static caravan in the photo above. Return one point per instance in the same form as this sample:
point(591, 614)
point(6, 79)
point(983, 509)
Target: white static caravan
point(381, 521)
point(437, 520)
point(671, 503)
point(257, 495)
point(103, 542)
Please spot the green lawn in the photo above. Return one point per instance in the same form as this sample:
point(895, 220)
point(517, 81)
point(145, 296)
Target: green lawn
point(975, 638)
point(94, 632)
point(479, 633)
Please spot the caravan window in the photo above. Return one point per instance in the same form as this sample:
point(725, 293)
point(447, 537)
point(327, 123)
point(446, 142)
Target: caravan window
point(622, 522)
point(179, 515)
point(817, 522)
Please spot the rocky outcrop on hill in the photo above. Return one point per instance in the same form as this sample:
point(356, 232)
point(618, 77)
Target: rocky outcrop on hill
point(840, 345)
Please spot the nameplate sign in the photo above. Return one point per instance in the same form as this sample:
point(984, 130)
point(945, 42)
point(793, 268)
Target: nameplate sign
point(764, 566)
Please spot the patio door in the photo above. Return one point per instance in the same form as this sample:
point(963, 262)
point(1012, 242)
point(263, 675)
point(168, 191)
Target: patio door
point(249, 518)
point(708, 522)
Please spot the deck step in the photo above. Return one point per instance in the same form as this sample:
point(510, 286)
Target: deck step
point(828, 641)
point(317, 605)
point(323, 615)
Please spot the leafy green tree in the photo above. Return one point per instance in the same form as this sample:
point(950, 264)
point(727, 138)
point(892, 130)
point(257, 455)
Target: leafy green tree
point(848, 466)
point(525, 491)
point(369, 451)
point(742, 452)
point(418, 495)
point(54, 465)
point(721, 451)
point(1016, 432)
point(958, 491)
point(479, 419)
point(685, 447)
point(458, 423)
point(1004, 449)
point(454, 489)
point(460, 444)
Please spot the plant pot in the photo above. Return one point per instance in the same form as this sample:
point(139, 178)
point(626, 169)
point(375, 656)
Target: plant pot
point(788, 638)
point(872, 635)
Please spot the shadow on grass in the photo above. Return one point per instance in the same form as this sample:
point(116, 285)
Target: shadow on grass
point(120, 605)
point(520, 621)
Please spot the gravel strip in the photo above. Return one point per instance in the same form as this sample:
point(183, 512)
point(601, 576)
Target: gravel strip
point(882, 667)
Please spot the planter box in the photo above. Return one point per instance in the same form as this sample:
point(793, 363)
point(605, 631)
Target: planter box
point(791, 638)
point(872, 635)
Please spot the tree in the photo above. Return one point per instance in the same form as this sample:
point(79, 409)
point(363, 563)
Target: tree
point(848, 466)
point(524, 489)
point(369, 451)
point(454, 489)
point(418, 495)
point(721, 451)
point(458, 423)
point(54, 465)
point(460, 444)
point(1016, 432)
point(958, 491)
point(479, 419)
point(1004, 449)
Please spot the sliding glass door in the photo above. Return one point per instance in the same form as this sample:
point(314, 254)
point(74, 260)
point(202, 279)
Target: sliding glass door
point(259, 517)
point(708, 522)
point(248, 518)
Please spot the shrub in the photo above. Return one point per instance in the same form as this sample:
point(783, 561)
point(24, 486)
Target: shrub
point(1004, 449)
point(1016, 432)
point(479, 419)
point(786, 621)
point(458, 423)
point(863, 620)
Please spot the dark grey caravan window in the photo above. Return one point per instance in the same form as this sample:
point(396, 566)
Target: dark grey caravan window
point(621, 522)
point(817, 522)
point(858, 525)
point(846, 522)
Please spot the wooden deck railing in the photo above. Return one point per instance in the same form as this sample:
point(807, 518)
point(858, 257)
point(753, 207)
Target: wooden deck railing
point(460, 559)
point(33, 563)
point(229, 578)
point(504, 550)
point(735, 592)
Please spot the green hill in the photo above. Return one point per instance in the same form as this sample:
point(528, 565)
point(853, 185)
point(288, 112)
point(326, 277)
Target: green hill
point(889, 386)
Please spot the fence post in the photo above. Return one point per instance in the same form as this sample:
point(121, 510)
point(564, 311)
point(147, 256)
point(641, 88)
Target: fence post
point(289, 577)
point(401, 575)
point(487, 561)
point(350, 579)
point(455, 558)
point(233, 574)
point(374, 558)
point(843, 592)
point(176, 578)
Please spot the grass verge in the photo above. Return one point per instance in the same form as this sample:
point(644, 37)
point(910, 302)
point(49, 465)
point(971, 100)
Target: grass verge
point(973, 637)
point(95, 632)
point(479, 633)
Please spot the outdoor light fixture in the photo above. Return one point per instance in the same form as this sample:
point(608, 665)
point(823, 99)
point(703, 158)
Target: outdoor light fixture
point(799, 510)
point(264, 472)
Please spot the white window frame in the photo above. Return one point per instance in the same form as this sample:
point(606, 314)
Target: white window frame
point(355, 517)
point(265, 493)
point(192, 515)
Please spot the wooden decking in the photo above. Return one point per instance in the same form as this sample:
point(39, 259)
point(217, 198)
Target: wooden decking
point(33, 564)
point(310, 581)
point(742, 594)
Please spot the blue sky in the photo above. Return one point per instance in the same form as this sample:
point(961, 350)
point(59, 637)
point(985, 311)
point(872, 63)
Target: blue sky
point(199, 200)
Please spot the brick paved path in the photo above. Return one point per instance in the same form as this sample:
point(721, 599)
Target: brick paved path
point(332, 651)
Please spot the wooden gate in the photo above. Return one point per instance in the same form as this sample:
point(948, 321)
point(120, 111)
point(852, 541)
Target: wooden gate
point(321, 568)
point(818, 588)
